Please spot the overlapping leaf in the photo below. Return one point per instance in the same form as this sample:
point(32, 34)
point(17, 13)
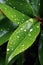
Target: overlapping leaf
point(29, 7)
point(6, 29)
point(21, 5)
point(12, 14)
point(22, 38)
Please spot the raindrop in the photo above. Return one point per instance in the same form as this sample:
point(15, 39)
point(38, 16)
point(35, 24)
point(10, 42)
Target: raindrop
point(31, 20)
point(23, 19)
point(31, 30)
point(21, 28)
point(18, 22)
point(23, 45)
point(39, 4)
point(24, 30)
point(23, 49)
point(7, 49)
point(5, 8)
point(17, 36)
point(37, 26)
point(29, 34)
point(12, 48)
point(27, 1)
point(27, 21)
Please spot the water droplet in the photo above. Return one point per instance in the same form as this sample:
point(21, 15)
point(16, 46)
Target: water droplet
point(39, 4)
point(31, 30)
point(24, 30)
point(23, 19)
point(23, 45)
point(5, 8)
point(12, 48)
point(29, 34)
point(31, 20)
point(17, 36)
point(23, 49)
point(27, 1)
point(7, 49)
point(27, 21)
point(21, 28)
point(18, 22)
point(37, 26)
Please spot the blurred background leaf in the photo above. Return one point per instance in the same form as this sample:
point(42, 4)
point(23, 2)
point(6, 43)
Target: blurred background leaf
point(6, 29)
point(41, 49)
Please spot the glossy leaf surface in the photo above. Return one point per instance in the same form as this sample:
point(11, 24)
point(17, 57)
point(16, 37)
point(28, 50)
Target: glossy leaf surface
point(22, 38)
point(14, 15)
point(28, 7)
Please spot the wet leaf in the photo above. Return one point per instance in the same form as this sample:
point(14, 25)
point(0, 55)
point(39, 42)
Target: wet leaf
point(22, 38)
point(41, 49)
point(14, 15)
point(28, 7)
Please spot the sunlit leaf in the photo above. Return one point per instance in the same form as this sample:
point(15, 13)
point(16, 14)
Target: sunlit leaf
point(28, 7)
point(14, 15)
point(22, 38)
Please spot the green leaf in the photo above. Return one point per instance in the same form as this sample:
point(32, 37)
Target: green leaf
point(22, 38)
point(21, 5)
point(35, 5)
point(41, 49)
point(6, 29)
point(14, 15)
point(28, 7)
point(1, 16)
point(41, 8)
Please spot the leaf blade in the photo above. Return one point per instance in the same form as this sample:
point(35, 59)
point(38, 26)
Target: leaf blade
point(14, 15)
point(16, 46)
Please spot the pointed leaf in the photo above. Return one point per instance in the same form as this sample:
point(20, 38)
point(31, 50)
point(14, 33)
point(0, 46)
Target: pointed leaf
point(22, 38)
point(22, 5)
point(28, 7)
point(12, 14)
